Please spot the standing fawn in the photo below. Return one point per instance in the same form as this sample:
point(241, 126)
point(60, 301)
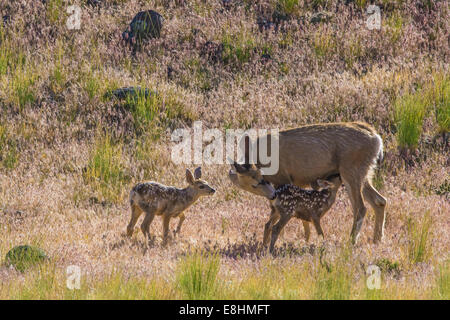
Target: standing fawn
point(169, 202)
point(308, 205)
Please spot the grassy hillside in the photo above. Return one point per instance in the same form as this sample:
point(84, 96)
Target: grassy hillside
point(70, 152)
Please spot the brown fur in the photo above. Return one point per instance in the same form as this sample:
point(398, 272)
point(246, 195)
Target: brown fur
point(317, 151)
point(169, 202)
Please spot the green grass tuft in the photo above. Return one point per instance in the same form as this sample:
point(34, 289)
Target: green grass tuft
point(419, 244)
point(441, 290)
point(410, 111)
point(154, 112)
point(105, 171)
point(287, 7)
point(9, 155)
point(334, 280)
point(439, 96)
point(238, 48)
point(197, 275)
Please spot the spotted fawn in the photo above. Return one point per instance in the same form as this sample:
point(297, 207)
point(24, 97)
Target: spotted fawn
point(169, 202)
point(307, 205)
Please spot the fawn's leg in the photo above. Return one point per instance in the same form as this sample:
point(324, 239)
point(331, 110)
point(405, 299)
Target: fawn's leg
point(145, 226)
point(166, 220)
point(316, 222)
point(307, 230)
point(180, 222)
point(135, 214)
point(277, 229)
point(274, 217)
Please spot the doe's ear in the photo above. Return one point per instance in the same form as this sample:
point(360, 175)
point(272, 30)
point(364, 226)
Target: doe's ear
point(198, 173)
point(324, 183)
point(189, 177)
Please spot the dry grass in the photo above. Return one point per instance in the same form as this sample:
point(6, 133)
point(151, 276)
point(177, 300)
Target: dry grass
point(69, 154)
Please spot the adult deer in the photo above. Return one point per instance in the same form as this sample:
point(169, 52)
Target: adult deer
point(317, 151)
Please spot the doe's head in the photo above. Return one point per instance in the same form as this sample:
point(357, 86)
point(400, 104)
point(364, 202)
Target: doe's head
point(200, 186)
point(249, 178)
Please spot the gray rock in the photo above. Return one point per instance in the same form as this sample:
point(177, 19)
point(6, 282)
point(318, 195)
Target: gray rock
point(123, 93)
point(320, 17)
point(144, 26)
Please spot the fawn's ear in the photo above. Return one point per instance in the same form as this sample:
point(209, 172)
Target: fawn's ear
point(324, 183)
point(198, 173)
point(189, 177)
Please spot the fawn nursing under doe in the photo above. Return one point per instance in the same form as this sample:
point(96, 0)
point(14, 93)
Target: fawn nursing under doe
point(289, 201)
point(308, 205)
point(169, 202)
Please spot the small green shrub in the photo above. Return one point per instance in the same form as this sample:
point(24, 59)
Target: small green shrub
point(24, 257)
point(197, 275)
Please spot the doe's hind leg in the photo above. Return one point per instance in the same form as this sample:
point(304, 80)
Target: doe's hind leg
point(378, 203)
